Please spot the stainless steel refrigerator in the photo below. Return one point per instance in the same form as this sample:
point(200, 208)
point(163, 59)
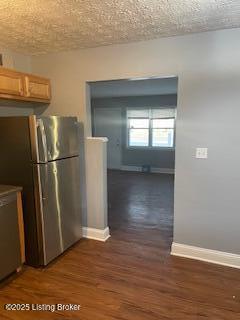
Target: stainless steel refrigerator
point(41, 154)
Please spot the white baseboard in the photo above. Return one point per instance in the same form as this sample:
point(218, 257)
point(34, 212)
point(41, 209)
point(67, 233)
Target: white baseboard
point(212, 256)
point(96, 234)
point(131, 168)
point(153, 169)
point(162, 170)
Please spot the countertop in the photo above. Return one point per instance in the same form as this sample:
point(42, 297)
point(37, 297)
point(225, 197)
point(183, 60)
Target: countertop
point(6, 190)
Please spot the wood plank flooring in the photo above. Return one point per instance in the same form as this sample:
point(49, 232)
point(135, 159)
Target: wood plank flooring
point(132, 275)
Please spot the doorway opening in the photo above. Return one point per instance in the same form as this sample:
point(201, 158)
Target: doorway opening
point(138, 116)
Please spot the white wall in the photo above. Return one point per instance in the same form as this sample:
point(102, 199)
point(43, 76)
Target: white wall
point(208, 66)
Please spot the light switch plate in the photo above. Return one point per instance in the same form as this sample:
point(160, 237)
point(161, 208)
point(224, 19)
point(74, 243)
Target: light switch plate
point(201, 153)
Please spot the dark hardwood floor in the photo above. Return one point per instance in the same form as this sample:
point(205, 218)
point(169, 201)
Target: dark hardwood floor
point(132, 275)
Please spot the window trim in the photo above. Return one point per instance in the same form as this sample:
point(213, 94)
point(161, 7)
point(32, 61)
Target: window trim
point(150, 129)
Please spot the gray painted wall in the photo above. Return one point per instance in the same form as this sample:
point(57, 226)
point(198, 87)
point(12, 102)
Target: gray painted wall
point(207, 202)
point(138, 157)
point(14, 111)
point(133, 88)
point(136, 102)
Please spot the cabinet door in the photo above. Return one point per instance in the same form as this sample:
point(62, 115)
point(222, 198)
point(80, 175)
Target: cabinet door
point(11, 82)
point(37, 88)
point(10, 256)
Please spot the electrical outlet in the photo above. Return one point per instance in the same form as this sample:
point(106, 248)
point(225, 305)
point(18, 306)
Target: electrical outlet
point(201, 153)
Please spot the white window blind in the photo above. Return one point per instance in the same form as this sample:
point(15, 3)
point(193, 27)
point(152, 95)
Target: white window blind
point(138, 113)
point(163, 113)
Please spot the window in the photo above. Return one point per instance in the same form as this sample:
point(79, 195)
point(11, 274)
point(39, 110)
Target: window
point(163, 132)
point(151, 127)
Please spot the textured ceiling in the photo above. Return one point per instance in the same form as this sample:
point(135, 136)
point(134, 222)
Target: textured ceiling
point(41, 26)
point(127, 88)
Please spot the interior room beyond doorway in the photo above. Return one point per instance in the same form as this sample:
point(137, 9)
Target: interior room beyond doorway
point(139, 119)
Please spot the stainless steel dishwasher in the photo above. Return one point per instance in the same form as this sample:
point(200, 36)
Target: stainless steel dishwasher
point(10, 257)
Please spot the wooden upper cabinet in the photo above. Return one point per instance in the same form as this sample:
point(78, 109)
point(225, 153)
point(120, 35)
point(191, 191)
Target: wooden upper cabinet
point(25, 87)
point(11, 82)
point(36, 87)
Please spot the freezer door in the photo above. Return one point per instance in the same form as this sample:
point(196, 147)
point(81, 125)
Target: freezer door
point(54, 138)
point(60, 206)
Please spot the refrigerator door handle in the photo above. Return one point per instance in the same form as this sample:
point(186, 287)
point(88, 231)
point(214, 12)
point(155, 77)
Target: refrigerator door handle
point(44, 184)
point(43, 142)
